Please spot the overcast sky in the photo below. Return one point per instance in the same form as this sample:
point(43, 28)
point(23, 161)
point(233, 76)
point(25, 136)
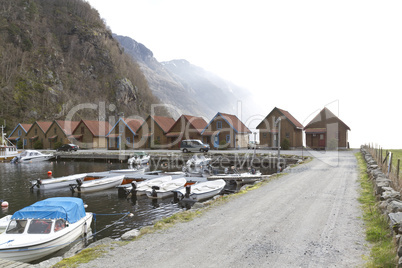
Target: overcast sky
point(299, 56)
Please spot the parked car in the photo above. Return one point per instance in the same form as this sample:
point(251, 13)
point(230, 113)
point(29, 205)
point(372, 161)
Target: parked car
point(68, 147)
point(193, 146)
point(252, 145)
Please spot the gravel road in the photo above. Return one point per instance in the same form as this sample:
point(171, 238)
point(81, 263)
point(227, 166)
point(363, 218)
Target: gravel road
point(308, 218)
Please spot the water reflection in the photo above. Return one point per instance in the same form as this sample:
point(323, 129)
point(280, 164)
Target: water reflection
point(107, 205)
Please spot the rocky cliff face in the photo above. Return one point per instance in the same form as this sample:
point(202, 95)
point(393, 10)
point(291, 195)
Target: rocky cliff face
point(190, 88)
point(57, 54)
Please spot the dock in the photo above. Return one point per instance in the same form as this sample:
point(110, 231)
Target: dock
point(14, 264)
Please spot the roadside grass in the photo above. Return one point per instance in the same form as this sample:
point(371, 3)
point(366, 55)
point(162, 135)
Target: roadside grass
point(378, 233)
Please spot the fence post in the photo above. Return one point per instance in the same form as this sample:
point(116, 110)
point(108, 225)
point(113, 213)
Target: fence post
point(397, 170)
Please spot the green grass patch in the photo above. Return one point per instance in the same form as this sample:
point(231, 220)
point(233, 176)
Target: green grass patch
point(378, 233)
point(85, 256)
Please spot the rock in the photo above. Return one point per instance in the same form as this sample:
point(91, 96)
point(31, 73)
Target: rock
point(48, 263)
point(197, 205)
point(381, 185)
point(130, 235)
point(394, 206)
point(400, 263)
point(125, 91)
point(395, 220)
point(390, 194)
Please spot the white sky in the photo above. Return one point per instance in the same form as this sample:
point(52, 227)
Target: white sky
point(296, 55)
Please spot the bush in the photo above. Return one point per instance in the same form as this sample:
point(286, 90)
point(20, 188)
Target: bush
point(223, 145)
point(38, 145)
point(57, 145)
point(19, 144)
point(285, 145)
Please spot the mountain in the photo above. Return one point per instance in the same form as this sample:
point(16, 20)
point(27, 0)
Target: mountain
point(189, 88)
point(55, 55)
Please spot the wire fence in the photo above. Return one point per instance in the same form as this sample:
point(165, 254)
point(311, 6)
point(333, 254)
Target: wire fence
point(389, 162)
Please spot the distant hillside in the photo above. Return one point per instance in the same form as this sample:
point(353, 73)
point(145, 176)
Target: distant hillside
point(55, 54)
point(190, 88)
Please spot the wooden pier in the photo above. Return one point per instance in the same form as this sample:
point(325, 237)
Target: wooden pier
point(14, 264)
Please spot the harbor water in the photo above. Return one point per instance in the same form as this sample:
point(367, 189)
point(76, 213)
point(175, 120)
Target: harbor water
point(107, 205)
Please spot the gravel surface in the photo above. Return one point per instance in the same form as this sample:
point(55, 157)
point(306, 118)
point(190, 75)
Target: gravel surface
point(308, 218)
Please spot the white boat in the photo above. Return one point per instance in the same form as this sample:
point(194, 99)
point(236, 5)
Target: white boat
point(201, 191)
point(198, 163)
point(57, 183)
point(141, 187)
point(139, 158)
point(166, 189)
point(4, 222)
point(28, 156)
point(98, 184)
point(43, 228)
point(8, 153)
point(245, 177)
point(7, 150)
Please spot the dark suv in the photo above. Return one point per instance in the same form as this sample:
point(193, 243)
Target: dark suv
point(68, 147)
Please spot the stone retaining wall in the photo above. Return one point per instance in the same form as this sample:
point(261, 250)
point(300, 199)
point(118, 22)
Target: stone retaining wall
point(390, 200)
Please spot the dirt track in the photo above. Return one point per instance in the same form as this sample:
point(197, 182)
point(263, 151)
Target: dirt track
point(308, 218)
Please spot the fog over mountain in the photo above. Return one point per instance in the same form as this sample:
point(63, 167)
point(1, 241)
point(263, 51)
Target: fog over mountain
point(190, 88)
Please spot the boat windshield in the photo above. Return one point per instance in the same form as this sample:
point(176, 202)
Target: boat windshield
point(59, 225)
point(40, 227)
point(16, 227)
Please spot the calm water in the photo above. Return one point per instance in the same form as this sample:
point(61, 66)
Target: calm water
point(15, 189)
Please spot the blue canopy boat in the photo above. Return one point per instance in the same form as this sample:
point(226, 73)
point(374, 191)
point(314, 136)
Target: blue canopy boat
point(43, 228)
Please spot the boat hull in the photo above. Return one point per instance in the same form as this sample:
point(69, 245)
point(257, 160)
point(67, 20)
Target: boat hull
point(100, 184)
point(40, 248)
point(57, 183)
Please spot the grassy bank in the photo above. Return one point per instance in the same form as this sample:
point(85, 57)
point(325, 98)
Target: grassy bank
point(378, 233)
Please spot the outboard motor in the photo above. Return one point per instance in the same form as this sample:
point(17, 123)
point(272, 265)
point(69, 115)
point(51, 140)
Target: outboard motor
point(77, 185)
point(15, 160)
point(133, 189)
point(154, 193)
point(37, 184)
point(188, 191)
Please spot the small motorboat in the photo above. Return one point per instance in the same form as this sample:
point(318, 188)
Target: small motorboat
point(43, 228)
point(28, 156)
point(201, 191)
point(139, 158)
point(141, 187)
point(198, 163)
point(97, 185)
point(4, 222)
point(166, 189)
point(56, 183)
point(234, 175)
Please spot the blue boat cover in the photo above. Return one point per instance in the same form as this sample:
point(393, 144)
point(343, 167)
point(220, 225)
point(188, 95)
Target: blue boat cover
point(69, 208)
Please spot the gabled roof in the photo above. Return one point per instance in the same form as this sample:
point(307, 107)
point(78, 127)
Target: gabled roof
point(324, 116)
point(133, 124)
point(197, 123)
point(97, 128)
point(67, 126)
point(43, 125)
point(165, 123)
point(233, 122)
point(287, 115)
point(25, 127)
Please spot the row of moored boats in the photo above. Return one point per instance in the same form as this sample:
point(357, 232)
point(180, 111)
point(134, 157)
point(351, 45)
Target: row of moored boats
point(47, 226)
